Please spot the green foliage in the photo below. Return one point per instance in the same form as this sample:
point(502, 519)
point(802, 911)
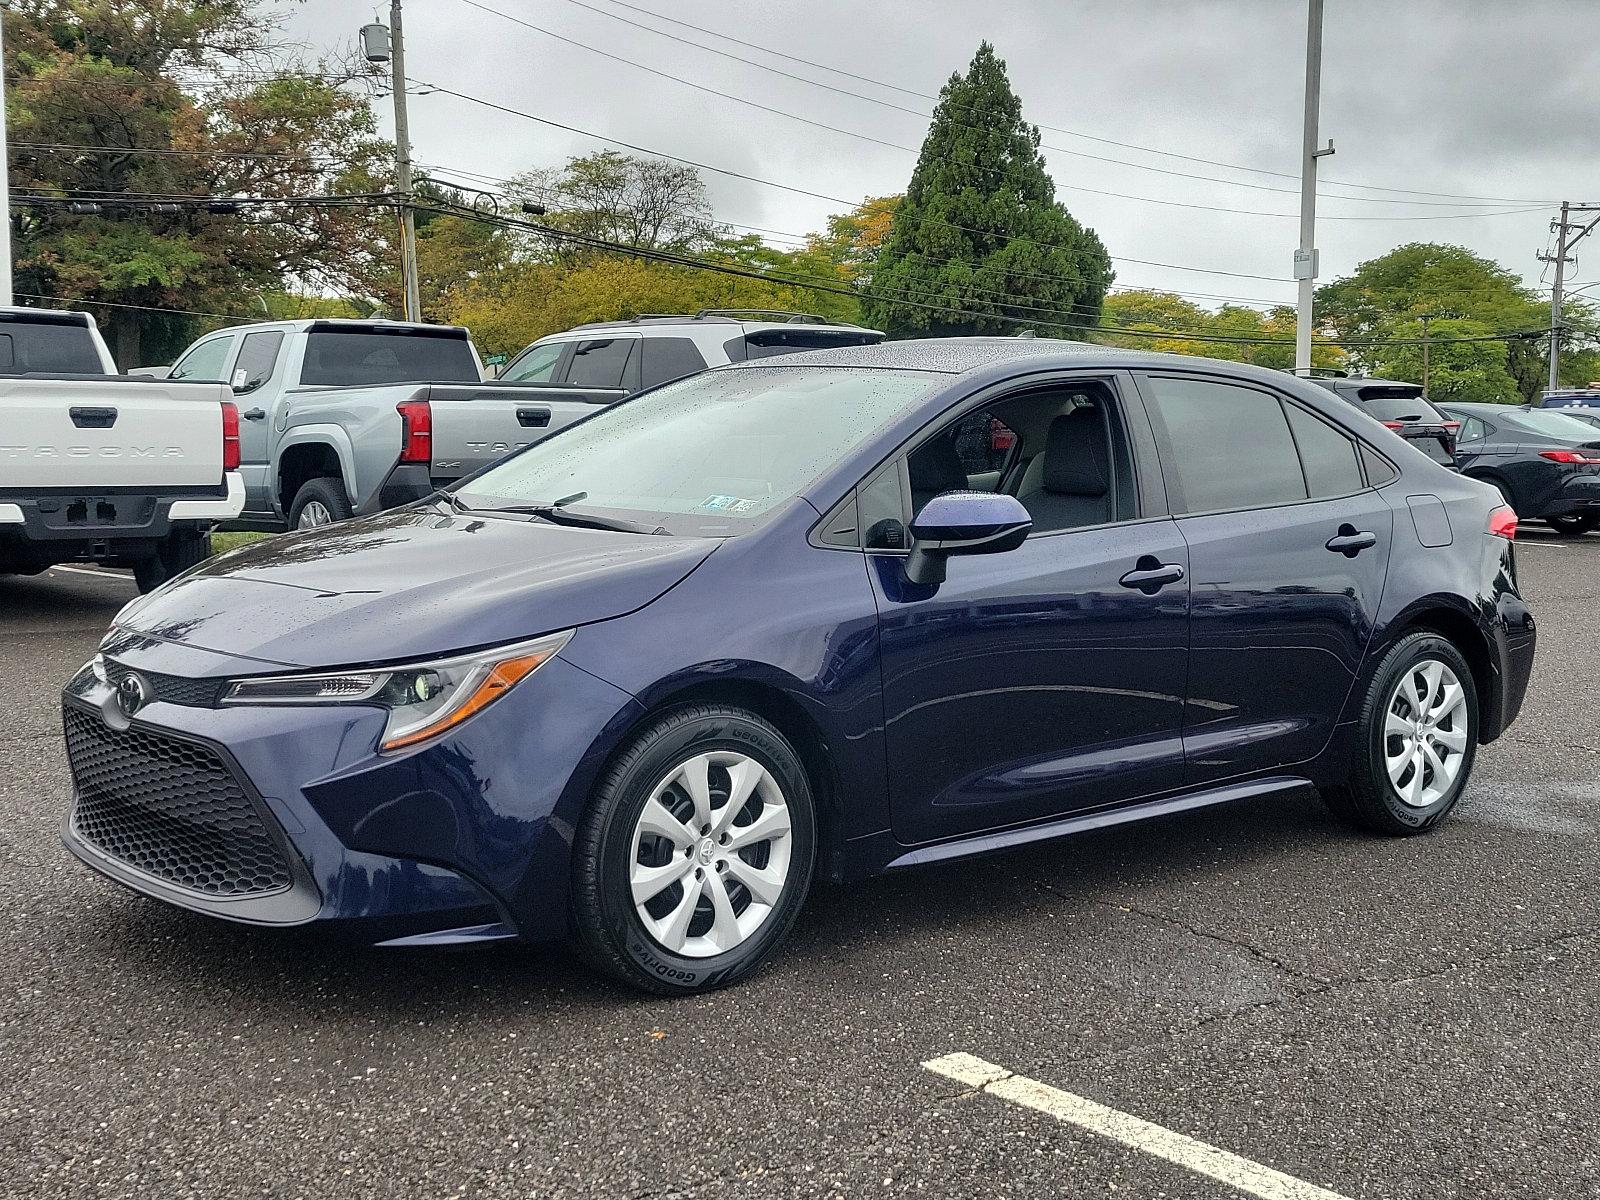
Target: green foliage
point(645, 202)
point(1157, 311)
point(980, 228)
point(1462, 293)
point(123, 76)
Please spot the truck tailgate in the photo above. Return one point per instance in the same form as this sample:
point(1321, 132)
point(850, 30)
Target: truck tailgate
point(94, 433)
point(474, 426)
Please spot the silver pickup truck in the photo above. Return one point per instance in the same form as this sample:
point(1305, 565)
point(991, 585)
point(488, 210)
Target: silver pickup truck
point(340, 417)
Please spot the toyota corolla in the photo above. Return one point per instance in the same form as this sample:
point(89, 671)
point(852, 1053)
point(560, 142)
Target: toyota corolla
point(642, 684)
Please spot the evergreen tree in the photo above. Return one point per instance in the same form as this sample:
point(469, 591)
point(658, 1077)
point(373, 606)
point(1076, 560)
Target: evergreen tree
point(980, 229)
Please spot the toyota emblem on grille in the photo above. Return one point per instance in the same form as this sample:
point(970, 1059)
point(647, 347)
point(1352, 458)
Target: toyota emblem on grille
point(133, 693)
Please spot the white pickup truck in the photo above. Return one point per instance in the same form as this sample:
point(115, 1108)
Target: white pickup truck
point(347, 417)
point(97, 467)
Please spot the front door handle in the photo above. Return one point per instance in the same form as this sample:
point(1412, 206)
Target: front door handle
point(1150, 576)
point(254, 414)
point(1350, 541)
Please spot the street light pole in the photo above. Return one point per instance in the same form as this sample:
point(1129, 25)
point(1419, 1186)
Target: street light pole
point(402, 146)
point(1305, 258)
point(6, 297)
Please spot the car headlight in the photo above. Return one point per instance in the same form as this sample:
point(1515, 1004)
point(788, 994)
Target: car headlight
point(424, 699)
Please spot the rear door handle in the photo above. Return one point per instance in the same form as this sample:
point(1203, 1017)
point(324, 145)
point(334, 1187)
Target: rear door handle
point(1150, 576)
point(533, 418)
point(254, 414)
point(1350, 541)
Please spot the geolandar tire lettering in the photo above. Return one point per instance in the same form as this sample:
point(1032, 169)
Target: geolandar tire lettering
point(695, 853)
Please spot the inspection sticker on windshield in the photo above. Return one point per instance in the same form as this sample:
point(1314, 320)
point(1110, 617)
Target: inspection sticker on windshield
point(720, 502)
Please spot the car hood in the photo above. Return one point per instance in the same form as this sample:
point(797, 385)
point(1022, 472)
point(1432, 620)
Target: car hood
point(409, 584)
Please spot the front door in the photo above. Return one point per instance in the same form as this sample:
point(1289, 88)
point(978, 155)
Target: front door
point(1049, 679)
point(1288, 553)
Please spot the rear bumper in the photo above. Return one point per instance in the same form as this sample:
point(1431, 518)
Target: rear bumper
point(108, 522)
point(1579, 496)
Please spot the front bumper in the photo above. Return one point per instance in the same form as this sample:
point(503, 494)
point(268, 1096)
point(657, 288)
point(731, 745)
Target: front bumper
point(464, 839)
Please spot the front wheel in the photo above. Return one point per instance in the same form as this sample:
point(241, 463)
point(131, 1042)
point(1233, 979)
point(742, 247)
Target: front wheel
point(695, 853)
point(1573, 526)
point(1419, 737)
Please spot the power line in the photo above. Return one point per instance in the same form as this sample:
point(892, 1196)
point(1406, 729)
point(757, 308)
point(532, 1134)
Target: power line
point(67, 147)
point(800, 191)
point(866, 137)
point(1053, 128)
point(188, 312)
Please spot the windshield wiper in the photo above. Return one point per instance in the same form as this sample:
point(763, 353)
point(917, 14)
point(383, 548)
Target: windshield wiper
point(557, 513)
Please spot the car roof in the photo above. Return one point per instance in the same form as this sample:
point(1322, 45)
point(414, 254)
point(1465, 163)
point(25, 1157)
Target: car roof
point(658, 321)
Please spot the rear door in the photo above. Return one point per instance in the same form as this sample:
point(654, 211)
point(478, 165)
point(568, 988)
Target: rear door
point(1288, 551)
point(255, 364)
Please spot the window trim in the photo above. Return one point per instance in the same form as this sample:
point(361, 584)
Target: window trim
point(1149, 486)
point(1164, 442)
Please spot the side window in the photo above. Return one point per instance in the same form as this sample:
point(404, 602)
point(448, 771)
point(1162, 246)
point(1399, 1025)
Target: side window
point(1227, 446)
point(536, 365)
point(601, 362)
point(258, 354)
point(1327, 455)
point(1379, 472)
point(206, 361)
point(668, 358)
point(986, 446)
point(1471, 430)
point(882, 511)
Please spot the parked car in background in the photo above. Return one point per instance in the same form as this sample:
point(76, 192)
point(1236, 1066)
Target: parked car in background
point(1546, 464)
point(1403, 408)
point(101, 468)
point(1586, 397)
point(341, 417)
point(657, 348)
point(626, 687)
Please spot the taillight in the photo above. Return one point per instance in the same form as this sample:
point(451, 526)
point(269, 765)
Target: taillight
point(1503, 522)
point(1452, 426)
point(1567, 456)
point(416, 431)
point(1394, 424)
point(230, 436)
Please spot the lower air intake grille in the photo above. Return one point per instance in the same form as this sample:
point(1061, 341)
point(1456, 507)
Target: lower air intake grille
point(170, 808)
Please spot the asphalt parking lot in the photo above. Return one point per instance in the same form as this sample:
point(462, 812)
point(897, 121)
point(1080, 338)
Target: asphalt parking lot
point(1374, 1018)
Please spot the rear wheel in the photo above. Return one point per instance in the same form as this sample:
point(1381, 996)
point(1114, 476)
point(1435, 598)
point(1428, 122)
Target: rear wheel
point(319, 502)
point(694, 856)
point(180, 550)
point(1419, 738)
point(1573, 526)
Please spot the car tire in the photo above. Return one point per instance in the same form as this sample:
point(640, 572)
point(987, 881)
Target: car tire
point(320, 501)
point(180, 550)
point(1572, 526)
point(635, 875)
point(1396, 786)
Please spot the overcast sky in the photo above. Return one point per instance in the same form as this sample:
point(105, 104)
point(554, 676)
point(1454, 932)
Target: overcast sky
point(1490, 99)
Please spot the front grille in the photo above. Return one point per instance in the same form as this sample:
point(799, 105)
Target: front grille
point(174, 689)
point(170, 808)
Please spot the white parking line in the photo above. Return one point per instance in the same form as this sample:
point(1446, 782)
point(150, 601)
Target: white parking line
point(1239, 1173)
point(94, 571)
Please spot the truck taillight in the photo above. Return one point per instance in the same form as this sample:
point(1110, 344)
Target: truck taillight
point(416, 431)
point(230, 436)
point(1503, 522)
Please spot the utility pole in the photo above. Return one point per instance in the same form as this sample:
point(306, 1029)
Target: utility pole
point(1305, 258)
point(6, 297)
point(1426, 317)
point(1561, 228)
point(388, 45)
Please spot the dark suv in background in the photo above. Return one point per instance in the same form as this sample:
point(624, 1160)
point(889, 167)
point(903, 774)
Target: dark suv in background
point(1403, 408)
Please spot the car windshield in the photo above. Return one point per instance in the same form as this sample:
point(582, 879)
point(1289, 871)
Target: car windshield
point(1552, 424)
point(710, 455)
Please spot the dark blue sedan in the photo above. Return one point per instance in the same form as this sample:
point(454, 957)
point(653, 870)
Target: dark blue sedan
point(643, 683)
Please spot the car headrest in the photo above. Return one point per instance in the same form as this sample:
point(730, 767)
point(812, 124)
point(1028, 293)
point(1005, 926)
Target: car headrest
point(1077, 461)
point(936, 467)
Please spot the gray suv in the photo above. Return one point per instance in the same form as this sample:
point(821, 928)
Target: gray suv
point(655, 348)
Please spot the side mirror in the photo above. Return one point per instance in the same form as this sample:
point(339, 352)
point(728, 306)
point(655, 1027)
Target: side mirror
point(963, 523)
